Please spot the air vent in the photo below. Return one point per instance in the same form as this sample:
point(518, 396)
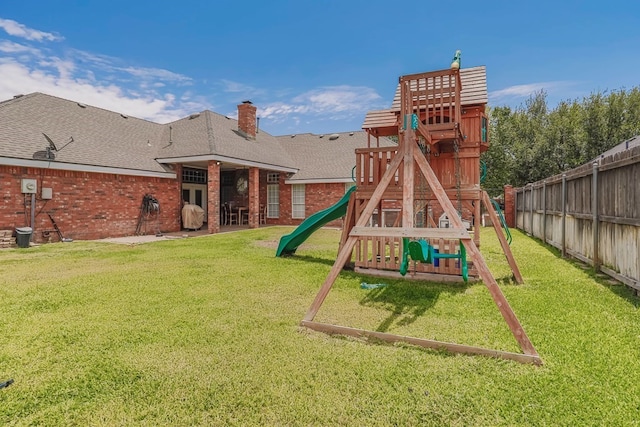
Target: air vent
point(194, 116)
point(334, 136)
point(321, 136)
point(81, 105)
point(124, 116)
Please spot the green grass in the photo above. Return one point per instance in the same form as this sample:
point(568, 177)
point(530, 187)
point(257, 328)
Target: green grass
point(204, 331)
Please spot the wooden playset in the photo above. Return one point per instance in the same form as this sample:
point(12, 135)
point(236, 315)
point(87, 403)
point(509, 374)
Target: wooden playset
point(432, 179)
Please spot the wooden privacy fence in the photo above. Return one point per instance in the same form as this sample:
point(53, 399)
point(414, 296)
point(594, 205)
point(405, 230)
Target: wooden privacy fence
point(591, 213)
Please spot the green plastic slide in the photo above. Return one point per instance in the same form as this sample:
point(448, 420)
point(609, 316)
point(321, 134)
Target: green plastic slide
point(290, 242)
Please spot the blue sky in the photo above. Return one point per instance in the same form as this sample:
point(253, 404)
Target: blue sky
point(309, 66)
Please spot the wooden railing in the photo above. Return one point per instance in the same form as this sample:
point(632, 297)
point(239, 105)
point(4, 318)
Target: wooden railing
point(371, 164)
point(434, 96)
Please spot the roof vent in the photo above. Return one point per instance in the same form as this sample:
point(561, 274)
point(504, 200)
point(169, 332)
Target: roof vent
point(334, 136)
point(124, 116)
point(350, 133)
point(293, 136)
point(321, 136)
point(194, 116)
point(18, 96)
point(81, 105)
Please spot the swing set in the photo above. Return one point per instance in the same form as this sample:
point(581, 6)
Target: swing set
point(441, 132)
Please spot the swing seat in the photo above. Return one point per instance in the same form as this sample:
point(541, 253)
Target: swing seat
point(420, 250)
point(461, 255)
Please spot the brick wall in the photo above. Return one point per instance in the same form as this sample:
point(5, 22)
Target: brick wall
point(86, 205)
point(247, 119)
point(317, 197)
point(509, 206)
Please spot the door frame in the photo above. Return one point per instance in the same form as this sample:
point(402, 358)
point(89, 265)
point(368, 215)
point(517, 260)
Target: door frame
point(192, 188)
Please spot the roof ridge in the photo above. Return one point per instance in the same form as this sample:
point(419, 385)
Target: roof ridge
point(18, 98)
point(210, 135)
point(35, 94)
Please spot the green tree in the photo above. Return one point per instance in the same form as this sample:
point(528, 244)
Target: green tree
point(531, 142)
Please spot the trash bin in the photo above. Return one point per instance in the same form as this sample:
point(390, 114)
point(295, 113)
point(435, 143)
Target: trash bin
point(23, 236)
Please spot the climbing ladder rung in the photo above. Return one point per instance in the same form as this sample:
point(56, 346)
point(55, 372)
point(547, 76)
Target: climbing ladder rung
point(424, 233)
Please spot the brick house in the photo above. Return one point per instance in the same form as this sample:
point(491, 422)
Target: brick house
point(89, 169)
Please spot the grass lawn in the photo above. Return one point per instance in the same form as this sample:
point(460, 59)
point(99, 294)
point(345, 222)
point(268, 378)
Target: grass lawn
point(204, 331)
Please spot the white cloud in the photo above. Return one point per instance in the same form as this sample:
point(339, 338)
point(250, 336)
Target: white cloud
point(156, 73)
point(333, 103)
point(18, 78)
point(526, 90)
point(90, 78)
point(235, 87)
point(157, 94)
point(17, 29)
point(11, 47)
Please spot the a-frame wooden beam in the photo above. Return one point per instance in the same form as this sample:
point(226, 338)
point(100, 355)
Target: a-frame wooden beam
point(495, 221)
point(478, 260)
point(408, 154)
point(345, 252)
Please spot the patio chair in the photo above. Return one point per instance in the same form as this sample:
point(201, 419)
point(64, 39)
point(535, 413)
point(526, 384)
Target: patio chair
point(229, 217)
point(263, 214)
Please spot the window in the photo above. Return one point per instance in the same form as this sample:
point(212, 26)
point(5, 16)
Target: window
point(273, 201)
point(297, 201)
point(273, 178)
point(194, 176)
point(226, 179)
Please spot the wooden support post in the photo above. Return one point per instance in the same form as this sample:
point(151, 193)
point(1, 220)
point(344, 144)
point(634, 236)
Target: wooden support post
point(349, 222)
point(563, 242)
point(347, 248)
point(531, 212)
point(342, 258)
point(477, 220)
point(515, 207)
point(478, 261)
point(408, 173)
point(426, 343)
point(594, 211)
point(544, 211)
point(503, 241)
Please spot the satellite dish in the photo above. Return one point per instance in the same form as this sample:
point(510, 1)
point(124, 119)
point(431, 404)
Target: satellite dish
point(51, 144)
point(47, 155)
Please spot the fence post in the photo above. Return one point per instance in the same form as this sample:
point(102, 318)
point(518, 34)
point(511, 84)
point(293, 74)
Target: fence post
point(594, 212)
point(564, 214)
point(515, 209)
point(544, 211)
point(531, 209)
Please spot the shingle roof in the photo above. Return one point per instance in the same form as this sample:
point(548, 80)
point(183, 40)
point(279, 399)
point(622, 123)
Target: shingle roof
point(100, 137)
point(212, 133)
point(321, 158)
point(474, 91)
point(108, 139)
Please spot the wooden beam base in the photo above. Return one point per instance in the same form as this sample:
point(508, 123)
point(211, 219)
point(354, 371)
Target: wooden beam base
point(425, 277)
point(421, 342)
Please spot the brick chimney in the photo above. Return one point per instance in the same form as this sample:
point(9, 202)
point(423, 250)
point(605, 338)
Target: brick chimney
point(247, 119)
